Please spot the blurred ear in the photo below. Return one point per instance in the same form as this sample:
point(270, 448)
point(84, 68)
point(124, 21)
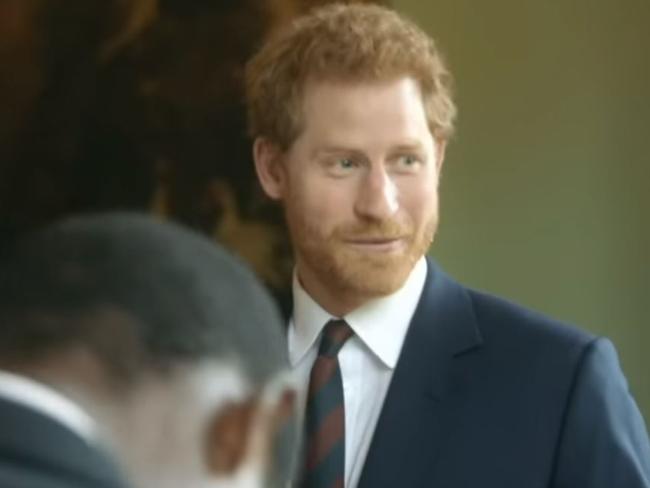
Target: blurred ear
point(243, 432)
point(441, 147)
point(227, 437)
point(268, 165)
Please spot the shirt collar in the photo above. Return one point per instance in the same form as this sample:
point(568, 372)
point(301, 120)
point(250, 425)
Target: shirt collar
point(47, 401)
point(381, 324)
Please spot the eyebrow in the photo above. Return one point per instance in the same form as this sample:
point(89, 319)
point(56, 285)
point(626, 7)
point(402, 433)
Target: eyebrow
point(409, 146)
point(327, 150)
point(405, 146)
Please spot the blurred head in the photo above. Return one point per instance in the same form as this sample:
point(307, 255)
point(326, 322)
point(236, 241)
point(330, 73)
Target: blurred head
point(351, 110)
point(167, 341)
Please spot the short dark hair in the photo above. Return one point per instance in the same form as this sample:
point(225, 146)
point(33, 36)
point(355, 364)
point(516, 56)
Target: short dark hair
point(139, 294)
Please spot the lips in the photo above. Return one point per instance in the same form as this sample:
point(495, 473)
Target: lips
point(377, 244)
point(374, 240)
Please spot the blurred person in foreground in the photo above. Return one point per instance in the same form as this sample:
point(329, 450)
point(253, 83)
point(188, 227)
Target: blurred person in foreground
point(135, 353)
point(412, 379)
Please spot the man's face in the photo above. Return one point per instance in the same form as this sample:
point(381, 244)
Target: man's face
point(360, 189)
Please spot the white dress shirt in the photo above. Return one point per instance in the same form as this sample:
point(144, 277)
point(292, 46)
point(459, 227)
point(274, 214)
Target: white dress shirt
point(367, 359)
point(46, 401)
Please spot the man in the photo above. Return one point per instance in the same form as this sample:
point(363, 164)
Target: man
point(126, 337)
point(413, 379)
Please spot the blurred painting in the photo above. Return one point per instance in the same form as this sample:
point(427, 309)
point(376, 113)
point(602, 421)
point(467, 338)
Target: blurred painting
point(138, 105)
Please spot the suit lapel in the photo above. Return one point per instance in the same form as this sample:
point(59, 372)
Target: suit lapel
point(418, 412)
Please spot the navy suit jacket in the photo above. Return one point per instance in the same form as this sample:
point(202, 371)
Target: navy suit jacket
point(487, 394)
point(38, 452)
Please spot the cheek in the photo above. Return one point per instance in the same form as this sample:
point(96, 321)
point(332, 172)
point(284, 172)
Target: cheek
point(420, 200)
point(323, 203)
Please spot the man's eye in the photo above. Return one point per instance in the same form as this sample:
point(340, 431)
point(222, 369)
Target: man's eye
point(408, 160)
point(344, 163)
point(340, 165)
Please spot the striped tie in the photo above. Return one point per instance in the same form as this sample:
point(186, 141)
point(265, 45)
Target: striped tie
point(325, 413)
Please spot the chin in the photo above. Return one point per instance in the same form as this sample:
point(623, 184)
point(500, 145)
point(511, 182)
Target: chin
point(375, 278)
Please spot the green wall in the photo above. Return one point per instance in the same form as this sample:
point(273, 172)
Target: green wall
point(546, 188)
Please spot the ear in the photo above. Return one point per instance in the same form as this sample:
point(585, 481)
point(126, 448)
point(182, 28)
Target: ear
point(243, 432)
point(227, 437)
point(441, 147)
point(268, 165)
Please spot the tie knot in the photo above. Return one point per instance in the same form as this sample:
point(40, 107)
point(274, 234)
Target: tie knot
point(335, 333)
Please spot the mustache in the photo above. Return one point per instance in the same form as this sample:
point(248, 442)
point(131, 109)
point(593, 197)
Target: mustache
point(383, 230)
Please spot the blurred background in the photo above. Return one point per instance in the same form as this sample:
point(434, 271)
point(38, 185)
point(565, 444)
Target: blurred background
point(137, 104)
point(546, 188)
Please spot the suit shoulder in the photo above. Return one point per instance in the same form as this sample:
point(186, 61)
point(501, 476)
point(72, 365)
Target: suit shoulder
point(505, 321)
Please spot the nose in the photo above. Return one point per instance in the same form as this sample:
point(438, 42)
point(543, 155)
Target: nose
point(377, 195)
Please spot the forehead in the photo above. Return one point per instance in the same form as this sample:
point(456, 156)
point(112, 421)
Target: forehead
point(348, 110)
